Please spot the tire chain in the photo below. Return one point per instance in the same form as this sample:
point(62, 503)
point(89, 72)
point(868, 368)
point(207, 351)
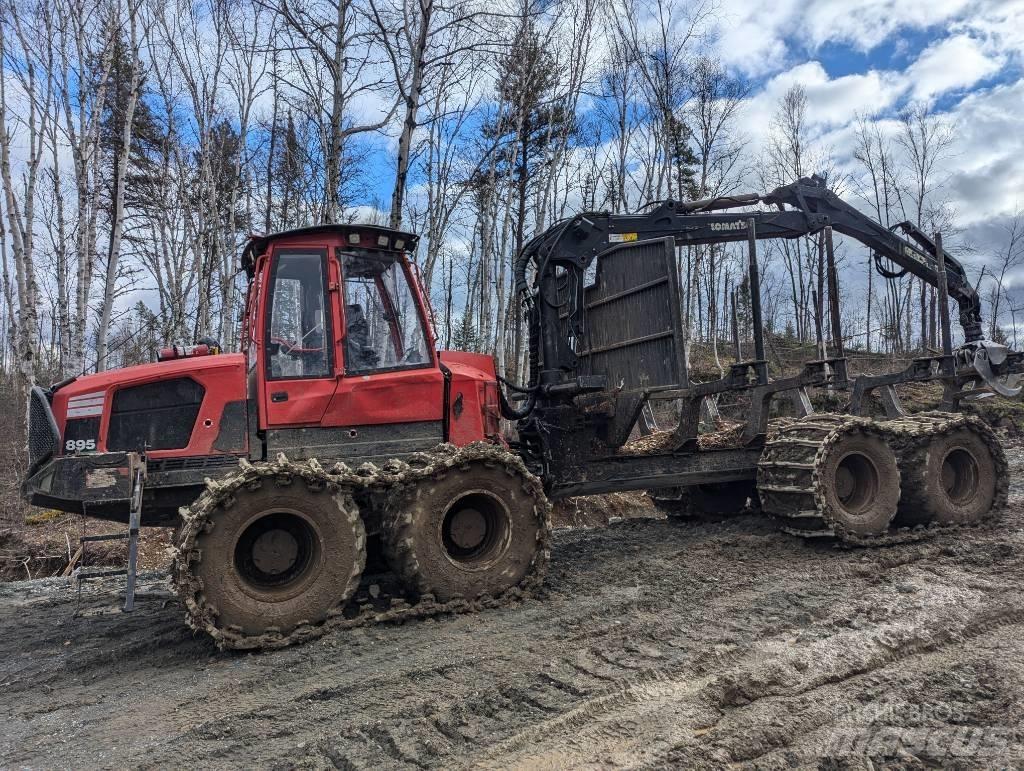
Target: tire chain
point(385, 484)
point(797, 447)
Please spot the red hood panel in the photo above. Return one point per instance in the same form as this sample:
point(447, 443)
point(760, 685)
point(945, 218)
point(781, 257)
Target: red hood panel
point(479, 365)
point(161, 370)
point(222, 377)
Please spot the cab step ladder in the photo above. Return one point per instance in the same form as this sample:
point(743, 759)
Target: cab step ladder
point(138, 474)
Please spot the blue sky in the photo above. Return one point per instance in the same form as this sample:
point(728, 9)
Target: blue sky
point(870, 57)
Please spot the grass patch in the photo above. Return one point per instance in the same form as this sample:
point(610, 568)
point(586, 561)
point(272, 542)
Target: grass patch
point(42, 516)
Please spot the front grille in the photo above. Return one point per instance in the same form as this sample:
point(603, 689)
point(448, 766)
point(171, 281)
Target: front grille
point(43, 436)
point(191, 464)
point(154, 416)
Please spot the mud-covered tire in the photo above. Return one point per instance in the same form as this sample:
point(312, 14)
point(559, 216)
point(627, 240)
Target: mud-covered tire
point(952, 480)
point(475, 530)
point(277, 556)
point(858, 484)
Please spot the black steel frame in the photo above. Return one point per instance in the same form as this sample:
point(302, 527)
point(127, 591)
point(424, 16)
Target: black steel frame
point(573, 434)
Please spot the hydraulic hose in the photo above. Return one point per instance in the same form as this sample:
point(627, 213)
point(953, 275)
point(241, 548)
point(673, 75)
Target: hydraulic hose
point(511, 413)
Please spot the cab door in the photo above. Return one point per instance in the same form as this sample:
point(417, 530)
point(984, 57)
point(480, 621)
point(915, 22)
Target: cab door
point(299, 355)
point(390, 398)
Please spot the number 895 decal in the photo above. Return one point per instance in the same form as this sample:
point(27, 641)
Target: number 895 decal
point(79, 445)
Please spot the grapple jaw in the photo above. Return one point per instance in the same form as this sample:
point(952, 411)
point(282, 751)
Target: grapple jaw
point(998, 368)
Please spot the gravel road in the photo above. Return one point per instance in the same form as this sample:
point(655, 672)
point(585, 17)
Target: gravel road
point(657, 643)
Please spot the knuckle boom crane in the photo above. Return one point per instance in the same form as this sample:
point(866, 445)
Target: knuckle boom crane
point(606, 340)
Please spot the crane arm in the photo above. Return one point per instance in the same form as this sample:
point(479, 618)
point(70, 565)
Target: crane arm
point(575, 242)
point(917, 256)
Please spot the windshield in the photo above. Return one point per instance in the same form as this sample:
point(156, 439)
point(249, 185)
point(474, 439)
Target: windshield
point(383, 327)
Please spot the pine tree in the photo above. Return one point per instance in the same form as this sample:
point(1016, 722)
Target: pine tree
point(467, 336)
point(531, 116)
point(288, 173)
point(147, 134)
point(684, 161)
point(227, 147)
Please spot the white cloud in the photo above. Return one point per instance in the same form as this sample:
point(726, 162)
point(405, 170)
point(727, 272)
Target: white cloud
point(988, 167)
point(1001, 23)
point(953, 63)
point(866, 23)
point(749, 36)
point(833, 104)
point(985, 182)
point(757, 38)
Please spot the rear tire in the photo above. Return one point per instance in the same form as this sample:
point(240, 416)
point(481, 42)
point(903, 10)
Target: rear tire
point(859, 485)
point(954, 482)
point(474, 530)
point(279, 556)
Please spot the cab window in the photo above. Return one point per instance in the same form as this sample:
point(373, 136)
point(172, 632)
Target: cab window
point(298, 329)
point(383, 326)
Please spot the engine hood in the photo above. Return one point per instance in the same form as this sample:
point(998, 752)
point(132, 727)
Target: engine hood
point(144, 373)
point(176, 407)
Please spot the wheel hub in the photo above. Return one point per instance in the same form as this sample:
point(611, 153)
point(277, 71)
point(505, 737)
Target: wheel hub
point(856, 481)
point(959, 475)
point(468, 528)
point(274, 551)
point(844, 483)
point(475, 529)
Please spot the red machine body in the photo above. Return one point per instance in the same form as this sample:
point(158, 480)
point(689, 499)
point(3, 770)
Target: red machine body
point(90, 398)
point(338, 361)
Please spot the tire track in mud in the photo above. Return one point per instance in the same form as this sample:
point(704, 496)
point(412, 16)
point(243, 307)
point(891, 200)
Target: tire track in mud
point(608, 671)
point(677, 717)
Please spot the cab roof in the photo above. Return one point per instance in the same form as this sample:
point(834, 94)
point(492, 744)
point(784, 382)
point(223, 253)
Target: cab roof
point(369, 238)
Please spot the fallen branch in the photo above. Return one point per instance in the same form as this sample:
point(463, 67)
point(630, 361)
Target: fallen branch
point(71, 563)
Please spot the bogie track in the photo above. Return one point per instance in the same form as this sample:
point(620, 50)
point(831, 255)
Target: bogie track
point(825, 475)
point(376, 599)
point(872, 483)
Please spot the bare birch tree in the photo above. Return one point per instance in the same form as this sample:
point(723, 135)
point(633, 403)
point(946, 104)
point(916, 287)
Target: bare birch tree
point(926, 139)
point(131, 11)
point(330, 53)
point(35, 95)
point(1011, 257)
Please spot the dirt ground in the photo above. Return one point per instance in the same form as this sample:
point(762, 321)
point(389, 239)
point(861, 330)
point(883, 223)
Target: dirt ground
point(44, 545)
point(659, 643)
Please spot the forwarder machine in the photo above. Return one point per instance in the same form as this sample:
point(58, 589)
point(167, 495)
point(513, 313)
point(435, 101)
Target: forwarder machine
point(340, 470)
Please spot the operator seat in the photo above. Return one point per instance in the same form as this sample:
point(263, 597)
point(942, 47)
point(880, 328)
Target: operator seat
point(359, 354)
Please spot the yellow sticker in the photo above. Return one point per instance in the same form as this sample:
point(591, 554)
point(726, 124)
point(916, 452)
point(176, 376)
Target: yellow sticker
point(618, 238)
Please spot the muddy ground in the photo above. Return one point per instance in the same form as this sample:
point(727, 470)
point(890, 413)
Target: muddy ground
point(658, 643)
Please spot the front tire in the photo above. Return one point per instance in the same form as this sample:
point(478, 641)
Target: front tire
point(278, 556)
